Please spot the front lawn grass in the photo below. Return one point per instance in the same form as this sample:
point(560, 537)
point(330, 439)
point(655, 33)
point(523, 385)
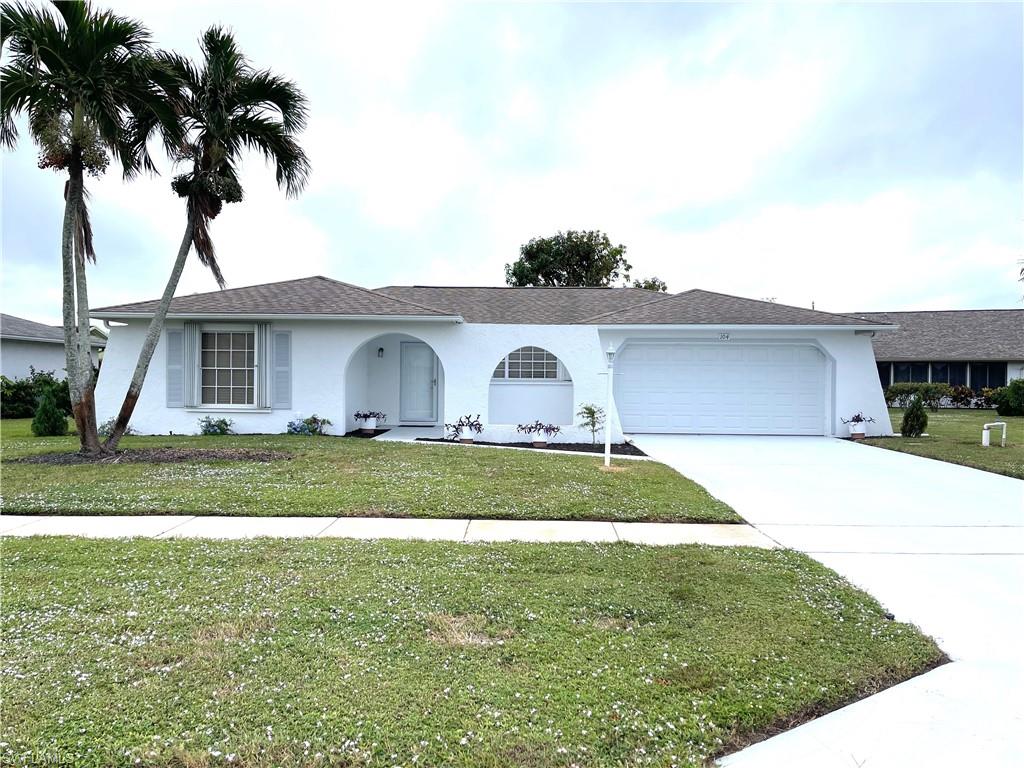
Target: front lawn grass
point(345, 653)
point(954, 435)
point(330, 476)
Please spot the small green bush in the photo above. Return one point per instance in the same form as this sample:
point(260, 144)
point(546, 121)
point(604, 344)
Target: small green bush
point(915, 419)
point(20, 398)
point(1009, 400)
point(211, 426)
point(49, 421)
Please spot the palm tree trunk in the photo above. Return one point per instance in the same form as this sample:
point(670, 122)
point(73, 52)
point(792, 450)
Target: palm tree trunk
point(76, 313)
point(156, 326)
point(87, 432)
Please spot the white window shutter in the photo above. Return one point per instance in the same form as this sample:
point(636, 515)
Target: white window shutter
point(282, 378)
point(191, 365)
point(175, 369)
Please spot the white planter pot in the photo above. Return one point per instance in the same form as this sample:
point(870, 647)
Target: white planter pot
point(858, 431)
point(465, 437)
point(369, 425)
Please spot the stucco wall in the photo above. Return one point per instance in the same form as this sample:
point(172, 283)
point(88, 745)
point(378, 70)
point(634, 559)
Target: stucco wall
point(17, 356)
point(334, 374)
point(519, 402)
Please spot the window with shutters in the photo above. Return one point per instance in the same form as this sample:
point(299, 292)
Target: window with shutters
point(227, 362)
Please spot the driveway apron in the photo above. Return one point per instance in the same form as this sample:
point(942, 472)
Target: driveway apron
point(940, 545)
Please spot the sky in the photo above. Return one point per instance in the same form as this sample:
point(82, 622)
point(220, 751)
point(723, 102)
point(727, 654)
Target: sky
point(857, 157)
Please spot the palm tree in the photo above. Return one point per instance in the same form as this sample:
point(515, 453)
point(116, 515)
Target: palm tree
point(227, 107)
point(93, 91)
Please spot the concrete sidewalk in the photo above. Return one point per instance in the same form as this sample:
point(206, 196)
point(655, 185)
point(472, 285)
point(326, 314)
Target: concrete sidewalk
point(186, 526)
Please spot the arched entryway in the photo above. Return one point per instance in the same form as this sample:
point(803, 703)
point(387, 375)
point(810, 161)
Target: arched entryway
point(399, 375)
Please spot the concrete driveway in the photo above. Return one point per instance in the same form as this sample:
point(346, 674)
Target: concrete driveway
point(940, 545)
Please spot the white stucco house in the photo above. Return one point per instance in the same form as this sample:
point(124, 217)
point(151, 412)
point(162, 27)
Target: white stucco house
point(692, 362)
point(26, 344)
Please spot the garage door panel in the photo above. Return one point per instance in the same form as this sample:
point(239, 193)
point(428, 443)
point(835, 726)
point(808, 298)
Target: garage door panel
point(727, 389)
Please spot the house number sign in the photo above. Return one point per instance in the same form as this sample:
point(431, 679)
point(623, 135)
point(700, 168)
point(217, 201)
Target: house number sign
point(723, 337)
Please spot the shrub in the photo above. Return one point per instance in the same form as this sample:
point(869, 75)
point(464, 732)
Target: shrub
point(49, 421)
point(900, 394)
point(467, 423)
point(537, 427)
point(19, 398)
point(1009, 400)
point(364, 415)
point(107, 427)
point(211, 426)
point(961, 396)
point(592, 418)
point(983, 399)
point(915, 419)
point(314, 425)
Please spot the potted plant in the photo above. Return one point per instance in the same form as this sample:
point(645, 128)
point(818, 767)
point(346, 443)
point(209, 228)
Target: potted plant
point(463, 429)
point(539, 432)
point(857, 423)
point(370, 420)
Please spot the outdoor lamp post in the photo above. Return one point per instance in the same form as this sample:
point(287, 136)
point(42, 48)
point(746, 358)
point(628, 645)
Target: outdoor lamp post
point(610, 354)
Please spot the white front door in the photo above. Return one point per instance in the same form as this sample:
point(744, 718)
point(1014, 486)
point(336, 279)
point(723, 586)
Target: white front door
point(418, 384)
point(769, 389)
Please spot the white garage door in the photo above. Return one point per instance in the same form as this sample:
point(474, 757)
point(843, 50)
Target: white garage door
point(721, 389)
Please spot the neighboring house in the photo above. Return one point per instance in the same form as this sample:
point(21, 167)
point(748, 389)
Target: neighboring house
point(25, 344)
point(976, 347)
point(693, 362)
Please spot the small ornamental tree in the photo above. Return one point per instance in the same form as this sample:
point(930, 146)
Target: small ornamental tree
point(592, 418)
point(915, 419)
point(49, 421)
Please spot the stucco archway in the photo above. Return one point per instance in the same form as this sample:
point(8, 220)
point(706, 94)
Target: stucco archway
point(397, 374)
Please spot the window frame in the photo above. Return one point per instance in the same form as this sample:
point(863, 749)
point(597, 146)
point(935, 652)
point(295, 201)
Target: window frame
point(229, 328)
point(561, 372)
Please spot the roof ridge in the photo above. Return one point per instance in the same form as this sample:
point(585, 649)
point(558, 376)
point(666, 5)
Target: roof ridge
point(211, 293)
point(389, 298)
point(29, 320)
point(933, 311)
point(523, 287)
point(657, 300)
point(777, 304)
point(605, 315)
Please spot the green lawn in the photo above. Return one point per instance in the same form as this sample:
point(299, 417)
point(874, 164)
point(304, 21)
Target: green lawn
point(311, 652)
point(351, 476)
point(954, 435)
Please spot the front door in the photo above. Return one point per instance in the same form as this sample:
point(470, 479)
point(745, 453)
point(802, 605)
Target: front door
point(418, 384)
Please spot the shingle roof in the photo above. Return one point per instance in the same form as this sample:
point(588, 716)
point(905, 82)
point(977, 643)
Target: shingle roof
point(306, 296)
point(534, 305)
point(961, 334)
point(12, 327)
point(697, 307)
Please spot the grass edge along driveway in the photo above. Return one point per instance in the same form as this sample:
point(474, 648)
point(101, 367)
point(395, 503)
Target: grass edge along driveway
point(332, 476)
point(954, 435)
point(284, 652)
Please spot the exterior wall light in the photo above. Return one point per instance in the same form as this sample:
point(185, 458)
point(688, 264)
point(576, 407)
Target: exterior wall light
point(380, 351)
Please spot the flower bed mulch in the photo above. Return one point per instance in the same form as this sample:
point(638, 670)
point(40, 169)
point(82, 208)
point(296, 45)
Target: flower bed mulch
point(157, 456)
point(360, 433)
point(618, 449)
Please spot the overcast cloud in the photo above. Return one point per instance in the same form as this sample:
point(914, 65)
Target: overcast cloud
point(860, 157)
